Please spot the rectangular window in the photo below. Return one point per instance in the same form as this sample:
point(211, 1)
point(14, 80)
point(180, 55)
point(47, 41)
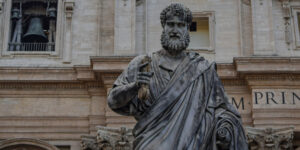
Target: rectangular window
point(33, 25)
point(64, 147)
point(202, 31)
point(199, 33)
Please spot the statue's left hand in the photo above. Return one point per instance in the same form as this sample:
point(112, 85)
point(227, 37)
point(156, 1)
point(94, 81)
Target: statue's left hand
point(223, 138)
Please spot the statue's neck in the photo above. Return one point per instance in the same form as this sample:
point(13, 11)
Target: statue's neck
point(171, 61)
point(175, 56)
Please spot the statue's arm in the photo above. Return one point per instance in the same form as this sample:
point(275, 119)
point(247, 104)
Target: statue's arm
point(121, 95)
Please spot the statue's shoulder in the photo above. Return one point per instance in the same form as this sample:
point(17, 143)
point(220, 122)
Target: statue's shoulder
point(202, 62)
point(136, 60)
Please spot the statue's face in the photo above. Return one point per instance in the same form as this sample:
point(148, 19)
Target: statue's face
point(175, 28)
point(175, 36)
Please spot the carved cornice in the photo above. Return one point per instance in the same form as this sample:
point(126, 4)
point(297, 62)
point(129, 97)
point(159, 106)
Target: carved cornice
point(267, 65)
point(234, 82)
point(111, 58)
point(104, 70)
point(110, 63)
point(263, 77)
point(84, 73)
point(227, 71)
point(43, 85)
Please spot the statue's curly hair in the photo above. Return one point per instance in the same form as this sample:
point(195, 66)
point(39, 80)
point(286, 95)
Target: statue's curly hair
point(176, 9)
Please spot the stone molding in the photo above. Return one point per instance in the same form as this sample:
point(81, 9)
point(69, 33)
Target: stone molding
point(104, 70)
point(259, 65)
point(121, 138)
point(25, 141)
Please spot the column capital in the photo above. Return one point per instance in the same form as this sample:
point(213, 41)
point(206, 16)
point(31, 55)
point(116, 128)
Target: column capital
point(69, 8)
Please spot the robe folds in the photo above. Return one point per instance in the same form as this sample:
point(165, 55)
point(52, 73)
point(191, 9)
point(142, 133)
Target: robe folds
point(187, 110)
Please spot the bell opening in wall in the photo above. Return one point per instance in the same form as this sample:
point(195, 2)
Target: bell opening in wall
point(33, 25)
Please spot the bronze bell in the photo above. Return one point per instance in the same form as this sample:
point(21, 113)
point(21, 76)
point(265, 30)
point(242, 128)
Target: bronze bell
point(15, 13)
point(35, 33)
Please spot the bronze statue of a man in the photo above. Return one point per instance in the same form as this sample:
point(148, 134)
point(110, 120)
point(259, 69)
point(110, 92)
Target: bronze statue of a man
point(187, 107)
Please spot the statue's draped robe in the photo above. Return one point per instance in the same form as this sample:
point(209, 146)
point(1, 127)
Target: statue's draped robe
point(186, 109)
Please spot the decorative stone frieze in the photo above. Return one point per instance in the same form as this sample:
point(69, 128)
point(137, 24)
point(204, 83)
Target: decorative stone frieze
point(89, 143)
point(270, 138)
point(108, 139)
point(114, 139)
point(121, 139)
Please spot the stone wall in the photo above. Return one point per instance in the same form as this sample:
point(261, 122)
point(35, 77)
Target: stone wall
point(130, 27)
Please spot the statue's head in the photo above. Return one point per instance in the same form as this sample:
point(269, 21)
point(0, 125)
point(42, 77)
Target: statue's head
point(175, 20)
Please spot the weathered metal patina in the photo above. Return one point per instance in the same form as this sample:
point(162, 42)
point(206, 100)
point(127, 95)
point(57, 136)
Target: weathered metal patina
point(187, 107)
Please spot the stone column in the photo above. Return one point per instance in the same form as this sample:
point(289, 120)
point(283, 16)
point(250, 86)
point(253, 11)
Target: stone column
point(125, 27)
point(97, 109)
point(5, 14)
point(263, 36)
point(107, 23)
point(67, 51)
point(1, 20)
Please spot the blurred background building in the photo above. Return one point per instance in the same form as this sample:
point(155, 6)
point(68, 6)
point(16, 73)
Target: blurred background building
point(59, 58)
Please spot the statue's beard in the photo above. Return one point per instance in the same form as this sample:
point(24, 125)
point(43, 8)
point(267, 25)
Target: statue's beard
point(175, 46)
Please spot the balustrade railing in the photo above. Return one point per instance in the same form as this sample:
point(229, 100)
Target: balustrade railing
point(31, 47)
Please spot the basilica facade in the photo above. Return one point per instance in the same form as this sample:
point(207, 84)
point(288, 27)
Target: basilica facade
point(59, 59)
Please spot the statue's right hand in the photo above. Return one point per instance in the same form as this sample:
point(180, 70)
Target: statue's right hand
point(143, 77)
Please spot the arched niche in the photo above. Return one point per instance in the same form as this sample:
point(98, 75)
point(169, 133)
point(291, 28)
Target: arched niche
point(26, 144)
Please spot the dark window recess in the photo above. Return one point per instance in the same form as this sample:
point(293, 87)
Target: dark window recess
point(193, 27)
point(33, 25)
point(64, 147)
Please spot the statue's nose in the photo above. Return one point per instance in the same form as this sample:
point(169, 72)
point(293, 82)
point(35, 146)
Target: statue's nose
point(174, 33)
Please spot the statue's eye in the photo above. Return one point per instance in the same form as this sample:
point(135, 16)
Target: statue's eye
point(181, 24)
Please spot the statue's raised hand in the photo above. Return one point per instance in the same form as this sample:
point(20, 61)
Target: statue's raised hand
point(143, 77)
